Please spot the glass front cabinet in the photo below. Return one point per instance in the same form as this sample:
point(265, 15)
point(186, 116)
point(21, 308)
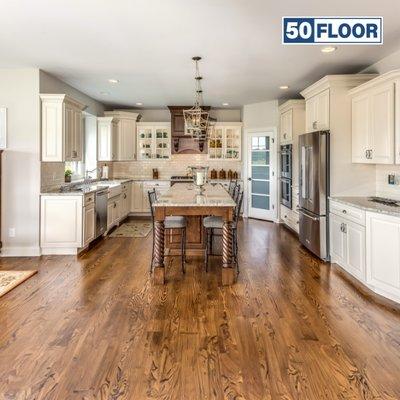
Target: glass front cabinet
point(154, 140)
point(225, 141)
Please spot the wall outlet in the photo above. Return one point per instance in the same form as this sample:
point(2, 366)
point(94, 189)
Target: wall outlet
point(11, 232)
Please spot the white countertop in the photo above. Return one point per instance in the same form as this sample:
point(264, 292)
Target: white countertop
point(365, 204)
point(187, 195)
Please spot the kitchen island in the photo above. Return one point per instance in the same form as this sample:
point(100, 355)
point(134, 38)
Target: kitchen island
point(184, 199)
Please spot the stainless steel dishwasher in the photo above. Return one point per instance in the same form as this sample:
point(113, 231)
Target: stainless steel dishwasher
point(101, 211)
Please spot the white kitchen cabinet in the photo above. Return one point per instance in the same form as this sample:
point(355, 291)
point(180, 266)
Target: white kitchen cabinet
point(286, 127)
point(107, 139)
point(137, 197)
point(374, 125)
point(347, 243)
point(113, 211)
point(317, 112)
point(139, 194)
point(89, 224)
point(360, 128)
point(337, 239)
point(154, 140)
point(62, 128)
point(225, 141)
point(124, 134)
point(383, 254)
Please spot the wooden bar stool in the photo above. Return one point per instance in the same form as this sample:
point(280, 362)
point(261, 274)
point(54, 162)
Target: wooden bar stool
point(171, 223)
point(212, 222)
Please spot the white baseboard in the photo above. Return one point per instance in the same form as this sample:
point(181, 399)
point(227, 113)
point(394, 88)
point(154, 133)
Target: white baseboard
point(60, 251)
point(20, 252)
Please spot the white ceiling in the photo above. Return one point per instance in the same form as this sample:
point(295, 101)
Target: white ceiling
point(148, 45)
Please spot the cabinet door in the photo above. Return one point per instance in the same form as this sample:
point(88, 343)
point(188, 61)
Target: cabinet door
point(77, 149)
point(360, 128)
point(145, 201)
point(114, 141)
point(286, 127)
point(69, 138)
point(104, 141)
point(311, 114)
point(137, 197)
point(89, 224)
point(52, 131)
point(117, 209)
point(126, 140)
point(355, 250)
point(322, 110)
point(382, 124)
point(383, 253)
point(124, 205)
point(337, 240)
point(232, 142)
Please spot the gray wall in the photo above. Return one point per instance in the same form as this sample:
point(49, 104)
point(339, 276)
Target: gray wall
point(51, 84)
point(387, 64)
point(19, 92)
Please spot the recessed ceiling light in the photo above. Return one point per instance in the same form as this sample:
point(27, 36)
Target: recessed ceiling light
point(284, 87)
point(139, 104)
point(225, 104)
point(113, 80)
point(104, 93)
point(328, 49)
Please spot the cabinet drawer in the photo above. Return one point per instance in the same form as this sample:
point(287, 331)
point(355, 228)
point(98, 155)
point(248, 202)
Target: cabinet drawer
point(89, 198)
point(348, 212)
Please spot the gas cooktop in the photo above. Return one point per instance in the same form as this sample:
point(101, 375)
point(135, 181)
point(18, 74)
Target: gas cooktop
point(385, 201)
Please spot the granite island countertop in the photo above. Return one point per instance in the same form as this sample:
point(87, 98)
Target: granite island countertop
point(366, 204)
point(187, 195)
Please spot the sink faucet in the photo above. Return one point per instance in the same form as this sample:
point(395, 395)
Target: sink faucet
point(87, 178)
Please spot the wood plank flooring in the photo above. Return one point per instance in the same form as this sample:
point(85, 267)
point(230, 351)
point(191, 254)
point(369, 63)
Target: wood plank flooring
point(291, 328)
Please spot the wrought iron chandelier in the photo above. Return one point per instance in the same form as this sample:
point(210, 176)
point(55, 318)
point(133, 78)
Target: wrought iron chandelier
point(197, 121)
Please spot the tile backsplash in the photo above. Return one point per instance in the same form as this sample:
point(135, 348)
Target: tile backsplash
point(52, 175)
point(383, 189)
point(178, 165)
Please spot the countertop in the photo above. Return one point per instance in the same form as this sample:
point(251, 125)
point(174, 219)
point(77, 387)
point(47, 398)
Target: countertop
point(368, 205)
point(187, 195)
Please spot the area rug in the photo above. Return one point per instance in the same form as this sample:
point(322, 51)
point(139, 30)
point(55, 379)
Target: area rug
point(10, 279)
point(133, 229)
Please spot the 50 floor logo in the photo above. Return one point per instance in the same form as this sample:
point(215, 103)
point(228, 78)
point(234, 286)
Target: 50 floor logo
point(332, 30)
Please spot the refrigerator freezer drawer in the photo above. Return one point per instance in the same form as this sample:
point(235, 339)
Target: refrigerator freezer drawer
point(313, 233)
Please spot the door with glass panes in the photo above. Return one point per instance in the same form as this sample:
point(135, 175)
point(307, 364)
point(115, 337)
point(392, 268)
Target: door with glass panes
point(261, 176)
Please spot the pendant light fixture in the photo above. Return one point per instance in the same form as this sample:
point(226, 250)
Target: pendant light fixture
point(197, 120)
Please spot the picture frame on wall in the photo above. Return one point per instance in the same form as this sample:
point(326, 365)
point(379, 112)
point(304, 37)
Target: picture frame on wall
point(3, 128)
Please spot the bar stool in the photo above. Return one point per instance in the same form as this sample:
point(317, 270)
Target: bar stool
point(232, 185)
point(212, 222)
point(170, 223)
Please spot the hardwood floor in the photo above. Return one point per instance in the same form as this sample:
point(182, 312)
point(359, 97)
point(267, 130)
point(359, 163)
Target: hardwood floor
point(291, 328)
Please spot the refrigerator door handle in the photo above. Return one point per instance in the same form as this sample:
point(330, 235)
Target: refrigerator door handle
point(306, 214)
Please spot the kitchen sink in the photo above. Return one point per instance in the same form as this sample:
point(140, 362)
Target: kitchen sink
point(385, 201)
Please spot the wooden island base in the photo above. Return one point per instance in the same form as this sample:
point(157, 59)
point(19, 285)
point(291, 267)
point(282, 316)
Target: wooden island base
point(179, 201)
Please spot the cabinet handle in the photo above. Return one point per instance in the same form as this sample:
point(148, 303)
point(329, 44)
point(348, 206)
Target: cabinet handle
point(370, 154)
point(314, 125)
point(124, 196)
point(366, 154)
point(115, 205)
point(344, 211)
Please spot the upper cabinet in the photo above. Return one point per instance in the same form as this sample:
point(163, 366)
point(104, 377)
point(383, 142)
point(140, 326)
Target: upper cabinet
point(375, 134)
point(125, 131)
point(291, 120)
point(225, 141)
point(317, 112)
point(62, 128)
point(107, 136)
point(154, 140)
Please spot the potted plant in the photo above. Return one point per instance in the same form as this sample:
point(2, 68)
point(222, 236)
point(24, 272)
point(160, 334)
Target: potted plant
point(68, 175)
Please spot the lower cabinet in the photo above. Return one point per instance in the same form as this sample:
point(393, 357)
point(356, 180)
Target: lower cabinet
point(89, 224)
point(290, 218)
point(113, 211)
point(383, 254)
point(67, 223)
point(347, 243)
point(139, 194)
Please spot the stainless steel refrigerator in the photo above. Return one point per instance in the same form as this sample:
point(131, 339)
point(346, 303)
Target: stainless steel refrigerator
point(314, 192)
